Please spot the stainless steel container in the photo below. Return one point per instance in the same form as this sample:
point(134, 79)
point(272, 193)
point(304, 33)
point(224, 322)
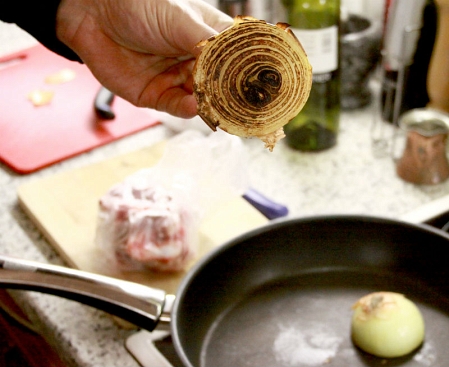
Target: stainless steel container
point(360, 53)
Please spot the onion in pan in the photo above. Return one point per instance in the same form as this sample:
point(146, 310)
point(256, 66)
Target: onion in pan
point(387, 324)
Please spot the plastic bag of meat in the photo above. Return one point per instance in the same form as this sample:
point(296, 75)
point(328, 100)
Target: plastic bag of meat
point(151, 219)
point(146, 225)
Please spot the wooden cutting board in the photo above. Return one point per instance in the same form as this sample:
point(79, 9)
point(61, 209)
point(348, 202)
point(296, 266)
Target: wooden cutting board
point(65, 207)
point(35, 137)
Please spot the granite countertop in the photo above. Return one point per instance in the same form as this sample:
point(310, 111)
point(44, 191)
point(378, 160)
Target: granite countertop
point(345, 179)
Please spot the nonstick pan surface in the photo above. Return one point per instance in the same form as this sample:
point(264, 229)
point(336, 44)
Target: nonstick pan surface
point(282, 295)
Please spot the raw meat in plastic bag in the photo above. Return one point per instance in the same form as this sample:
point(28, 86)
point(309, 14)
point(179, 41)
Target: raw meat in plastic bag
point(151, 220)
point(146, 227)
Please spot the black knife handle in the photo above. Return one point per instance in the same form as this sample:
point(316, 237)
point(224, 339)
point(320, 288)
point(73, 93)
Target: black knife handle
point(103, 104)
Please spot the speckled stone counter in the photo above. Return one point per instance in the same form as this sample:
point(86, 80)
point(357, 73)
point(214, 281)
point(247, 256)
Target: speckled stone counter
point(344, 179)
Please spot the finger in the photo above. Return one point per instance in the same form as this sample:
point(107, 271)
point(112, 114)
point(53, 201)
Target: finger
point(178, 102)
point(168, 91)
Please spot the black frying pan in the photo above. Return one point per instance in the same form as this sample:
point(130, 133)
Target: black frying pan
point(280, 295)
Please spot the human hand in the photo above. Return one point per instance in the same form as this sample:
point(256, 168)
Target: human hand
point(141, 50)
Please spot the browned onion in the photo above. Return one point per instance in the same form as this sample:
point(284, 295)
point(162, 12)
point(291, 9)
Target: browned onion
point(252, 79)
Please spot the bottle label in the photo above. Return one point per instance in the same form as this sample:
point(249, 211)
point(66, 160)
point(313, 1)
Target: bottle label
point(321, 46)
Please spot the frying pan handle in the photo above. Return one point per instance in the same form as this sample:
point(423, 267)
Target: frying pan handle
point(141, 305)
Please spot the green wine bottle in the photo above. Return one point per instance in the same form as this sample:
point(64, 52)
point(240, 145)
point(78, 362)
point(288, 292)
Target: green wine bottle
point(316, 25)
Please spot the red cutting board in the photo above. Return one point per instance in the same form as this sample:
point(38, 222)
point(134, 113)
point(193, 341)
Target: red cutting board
point(35, 137)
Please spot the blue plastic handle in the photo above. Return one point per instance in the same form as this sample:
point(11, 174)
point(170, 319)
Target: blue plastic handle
point(266, 206)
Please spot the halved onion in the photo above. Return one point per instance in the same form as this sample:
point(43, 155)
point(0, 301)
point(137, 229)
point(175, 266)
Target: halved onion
point(252, 79)
point(387, 324)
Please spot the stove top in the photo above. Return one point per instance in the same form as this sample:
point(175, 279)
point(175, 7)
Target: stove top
point(153, 349)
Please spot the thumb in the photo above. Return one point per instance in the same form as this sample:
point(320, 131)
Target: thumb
point(203, 21)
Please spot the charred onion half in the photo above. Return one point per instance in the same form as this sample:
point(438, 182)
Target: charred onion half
point(252, 79)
